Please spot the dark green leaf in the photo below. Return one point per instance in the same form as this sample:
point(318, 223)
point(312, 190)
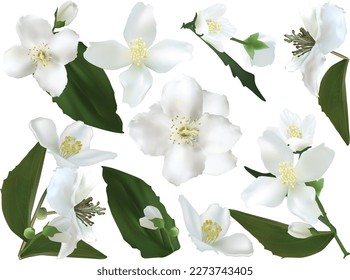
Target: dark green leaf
point(332, 98)
point(42, 246)
point(247, 79)
point(127, 198)
point(257, 174)
point(89, 96)
point(19, 190)
point(275, 238)
point(317, 185)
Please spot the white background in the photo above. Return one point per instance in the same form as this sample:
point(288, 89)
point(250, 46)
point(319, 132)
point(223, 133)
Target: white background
point(22, 100)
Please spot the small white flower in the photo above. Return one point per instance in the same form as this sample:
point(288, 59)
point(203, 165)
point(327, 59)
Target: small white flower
point(72, 148)
point(188, 127)
point(208, 230)
point(213, 26)
point(67, 194)
point(67, 12)
point(290, 179)
point(263, 57)
point(296, 133)
point(139, 34)
point(151, 213)
point(325, 31)
point(42, 54)
point(299, 230)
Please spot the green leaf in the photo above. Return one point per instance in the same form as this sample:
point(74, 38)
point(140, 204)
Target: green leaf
point(275, 238)
point(89, 96)
point(332, 98)
point(42, 246)
point(128, 196)
point(19, 190)
point(247, 79)
point(257, 174)
point(317, 185)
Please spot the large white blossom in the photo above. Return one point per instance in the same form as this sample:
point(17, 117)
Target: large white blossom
point(188, 127)
point(67, 194)
point(297, 133)
point(139, 34)
point(72, 148)
point(290, 179)
point(42, 54)
point(213, 27)
point(325, 31)
point(208, 230)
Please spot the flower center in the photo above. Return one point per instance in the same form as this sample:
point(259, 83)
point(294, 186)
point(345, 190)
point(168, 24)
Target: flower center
point(85, 210)
point(287, 174)
point(214, 27)
point(40, 55)
point(302, 41)
point(294, 132)
point(210, 231)
point(138, 51)
point(70, 147)
point(184, 130)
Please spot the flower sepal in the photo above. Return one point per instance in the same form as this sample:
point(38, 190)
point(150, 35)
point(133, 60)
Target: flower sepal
point(252, 43)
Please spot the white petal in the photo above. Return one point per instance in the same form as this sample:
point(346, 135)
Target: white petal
point(309, 125)
point(52, 78)
point(296, 62)
point(146, 223)
point(151, 131)
point(201, 23)
point(313, 163)
point(80, 131)
point(182, 97)
point(215, 11)
point(108, 55)
point(215, 104)
point(214, 41)
point(236, 245)
point(332, 28)
point(62, 224)
point(61, 189)
point(217, 164)
point(299, 230)
point(17, 63)
point(137, 80)
point(265, 191)
point(166, 54)
point(152, 212)
point(90, 157)
point(191, 218)
point(217, 214)
point(201, 246)
point(301, 202)
point(183, 162)
point(141, 24)
point(33, 31)
point(288, 118)
point(308, 14)
point(217, 134)
point(86, 232)
point(311, 69)
point(227, 30)
point(274, 151)
point(64, 46)
point(45, 132)
point(63, 162)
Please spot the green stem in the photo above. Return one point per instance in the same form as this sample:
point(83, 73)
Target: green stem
point(238, 41)
point(339, 55)
point(324, 219)
point(40, 203)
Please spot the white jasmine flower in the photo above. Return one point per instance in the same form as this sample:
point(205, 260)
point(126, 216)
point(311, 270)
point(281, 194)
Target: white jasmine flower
point(67, 194)
point(188, 127)
point(290, 178)
point(265, 56)
point(325, 31)
point(296, 133)
point(139, 34)
point(299, 230)
point(72, 148)
point(67, 12)
point(208, 230)
point(151, 213)
point(213, 26)
point(42, 54)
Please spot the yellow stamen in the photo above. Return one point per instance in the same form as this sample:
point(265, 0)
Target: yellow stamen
point(214, 27)
point(138, 51)
point(211, 231)
point(70, 147)
point(184, 131)
point(287, 174)
point(294, 131)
